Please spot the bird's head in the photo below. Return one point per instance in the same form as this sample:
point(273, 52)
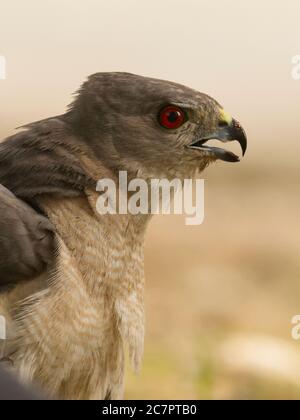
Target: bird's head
point(156, 127)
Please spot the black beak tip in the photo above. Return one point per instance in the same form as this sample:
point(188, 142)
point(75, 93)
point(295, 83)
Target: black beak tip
point(240, 135)
point(231, 157)
point(243, 141)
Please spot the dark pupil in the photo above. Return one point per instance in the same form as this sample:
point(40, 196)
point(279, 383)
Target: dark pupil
point(173, 116)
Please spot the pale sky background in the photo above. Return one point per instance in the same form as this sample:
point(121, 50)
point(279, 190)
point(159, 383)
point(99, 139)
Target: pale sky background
point(235, 50)
point(239, 271)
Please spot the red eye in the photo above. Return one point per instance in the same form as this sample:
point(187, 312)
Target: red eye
point(172, 117)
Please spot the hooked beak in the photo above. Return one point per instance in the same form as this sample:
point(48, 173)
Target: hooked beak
point(229, 130)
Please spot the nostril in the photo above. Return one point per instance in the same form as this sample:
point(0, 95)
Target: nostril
point(223, 124)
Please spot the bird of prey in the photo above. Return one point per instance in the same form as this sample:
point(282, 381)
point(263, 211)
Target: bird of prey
point(73, 280)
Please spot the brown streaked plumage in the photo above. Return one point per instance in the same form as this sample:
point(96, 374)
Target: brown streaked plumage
point(69, 324)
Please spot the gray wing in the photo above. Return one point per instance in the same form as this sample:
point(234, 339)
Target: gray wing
point(26, 240)
point(39, 160)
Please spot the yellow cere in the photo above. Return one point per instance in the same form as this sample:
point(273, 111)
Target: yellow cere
point(225, 117)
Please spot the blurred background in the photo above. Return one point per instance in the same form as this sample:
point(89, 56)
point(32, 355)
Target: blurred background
point(220, 297)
